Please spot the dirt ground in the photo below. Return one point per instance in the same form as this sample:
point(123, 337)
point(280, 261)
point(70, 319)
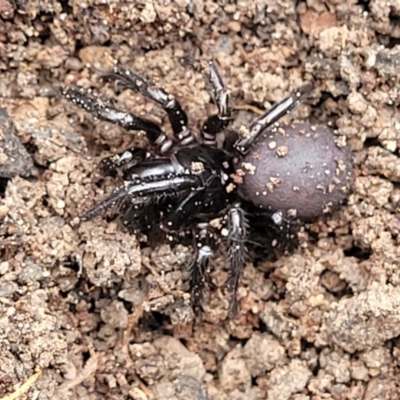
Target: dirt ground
point(88, 311)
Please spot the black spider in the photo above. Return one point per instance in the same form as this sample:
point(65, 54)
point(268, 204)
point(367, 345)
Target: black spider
point(266, 176)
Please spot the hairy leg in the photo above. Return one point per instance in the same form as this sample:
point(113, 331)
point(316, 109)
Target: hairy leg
point(177, 116)
point(123, 161)
point(139, 192)
point(270, 117)
point(201, 266)
point(218, 122)
point(237, 252)
point(104, 110)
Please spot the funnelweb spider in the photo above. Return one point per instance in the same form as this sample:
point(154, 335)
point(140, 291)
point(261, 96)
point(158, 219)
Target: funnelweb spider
point(268, 174)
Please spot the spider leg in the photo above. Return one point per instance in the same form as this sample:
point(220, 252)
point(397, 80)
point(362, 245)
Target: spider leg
point(281, 234)
point(140, 192)
point(139, 219)
point(184, 212)
point(200, 268)
point(176, 115)
point(105, 111)
point(218, 122)
point(237, 234)
point(199, 204)
point(125, 161)
point(270, 117)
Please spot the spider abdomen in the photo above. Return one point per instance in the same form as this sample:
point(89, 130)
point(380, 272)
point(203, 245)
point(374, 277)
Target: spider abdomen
point(300, 170)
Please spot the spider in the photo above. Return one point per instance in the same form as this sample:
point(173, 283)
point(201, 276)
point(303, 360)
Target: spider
point(266, 174)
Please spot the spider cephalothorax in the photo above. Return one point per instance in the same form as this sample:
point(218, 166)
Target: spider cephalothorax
point(267, 174)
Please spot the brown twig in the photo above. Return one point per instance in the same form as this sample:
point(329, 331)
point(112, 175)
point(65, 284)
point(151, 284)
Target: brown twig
point(249, 107)
point(24, 387)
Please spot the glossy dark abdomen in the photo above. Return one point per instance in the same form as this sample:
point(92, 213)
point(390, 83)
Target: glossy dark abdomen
point(301, 170)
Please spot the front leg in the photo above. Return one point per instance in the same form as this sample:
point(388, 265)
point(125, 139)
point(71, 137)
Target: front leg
point(139, 192)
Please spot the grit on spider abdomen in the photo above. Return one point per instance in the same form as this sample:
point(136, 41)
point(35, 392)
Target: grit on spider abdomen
point(301, 170)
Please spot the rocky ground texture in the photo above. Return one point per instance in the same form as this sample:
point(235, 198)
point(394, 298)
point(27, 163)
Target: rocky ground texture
point(88, 311)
